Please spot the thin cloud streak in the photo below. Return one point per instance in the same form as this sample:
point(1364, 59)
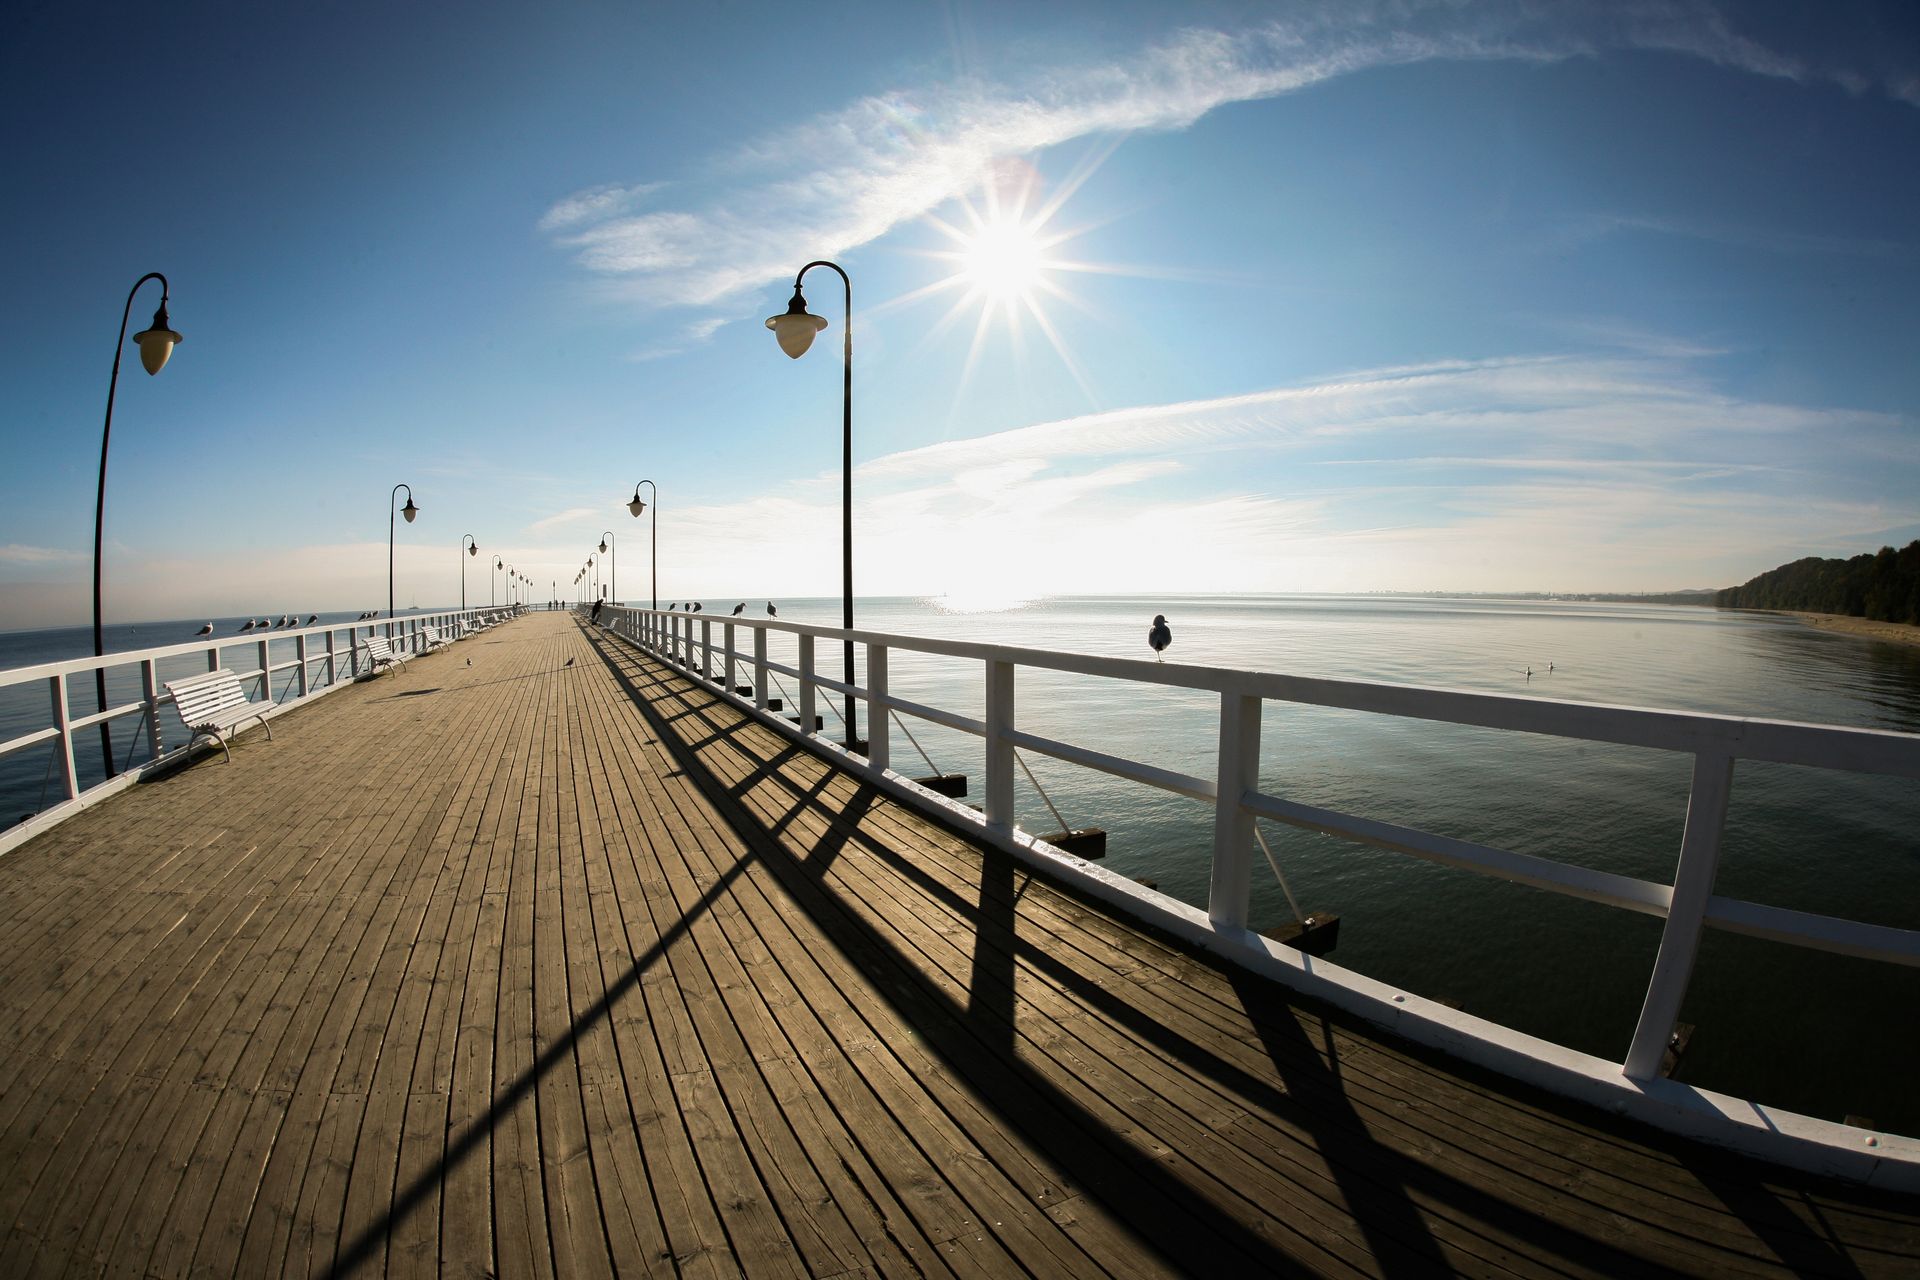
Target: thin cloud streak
point(846, 178)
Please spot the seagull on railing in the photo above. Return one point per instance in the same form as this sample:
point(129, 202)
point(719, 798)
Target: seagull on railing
point(205, 631)
point(674, 607)
point(247, 625)
point(696, 606)
point(771, 611)
point(312, 618)
point(1160, 636)
point(739, 608)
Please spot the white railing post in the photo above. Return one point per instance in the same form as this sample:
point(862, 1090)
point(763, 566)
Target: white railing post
point(266, 670)
point(1680, 941)
point(333, 669)
point(879, 715)
point(300, 651)
point(150, 690)
point(1238, 772)
point(61, 721)
point(806, 684)
point(1000, 815)
point(728, 637)
point(760, 668)
point(706, 648)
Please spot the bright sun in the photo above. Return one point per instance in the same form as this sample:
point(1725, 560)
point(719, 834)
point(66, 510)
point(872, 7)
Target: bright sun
point(1003, 260)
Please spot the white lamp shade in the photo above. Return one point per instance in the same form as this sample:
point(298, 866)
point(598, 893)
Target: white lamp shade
point(156, 345)
point(795, 330)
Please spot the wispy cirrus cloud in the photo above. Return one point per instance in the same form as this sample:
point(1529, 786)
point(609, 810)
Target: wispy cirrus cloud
point(572, 515)
point(20, 553)
point(847, 177)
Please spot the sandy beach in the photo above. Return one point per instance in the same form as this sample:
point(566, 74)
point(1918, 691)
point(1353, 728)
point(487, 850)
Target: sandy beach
point(1865, 628)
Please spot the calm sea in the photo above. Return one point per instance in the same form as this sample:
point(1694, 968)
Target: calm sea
point(1826, 1035)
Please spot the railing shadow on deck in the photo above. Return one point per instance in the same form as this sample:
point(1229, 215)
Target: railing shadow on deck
point(979, 1043)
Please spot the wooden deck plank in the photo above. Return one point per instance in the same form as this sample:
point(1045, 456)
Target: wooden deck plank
point(533, 968)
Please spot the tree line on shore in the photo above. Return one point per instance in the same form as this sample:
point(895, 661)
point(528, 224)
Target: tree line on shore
point(1883, 585)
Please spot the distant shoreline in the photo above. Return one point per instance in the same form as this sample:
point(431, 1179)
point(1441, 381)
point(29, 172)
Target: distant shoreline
point(1865, 628)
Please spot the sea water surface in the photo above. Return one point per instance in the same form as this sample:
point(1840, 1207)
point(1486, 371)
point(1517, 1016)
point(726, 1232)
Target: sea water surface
point(1826, 1035)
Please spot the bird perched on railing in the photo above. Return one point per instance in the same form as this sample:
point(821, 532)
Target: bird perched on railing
point(740, 608)
point(312, 618)
point(1160, 636)
point(771, 611)
point(205, 631)
point(696, 606)
point(673, 608)
point(247, 625)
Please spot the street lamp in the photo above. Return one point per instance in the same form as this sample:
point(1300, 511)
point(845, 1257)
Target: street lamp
point(653, 533)
point(472, 548)
point(613, 565)
point(595, 574)
point(409, 511)
point(156, 343)
point(498, 564)
point(794, 329)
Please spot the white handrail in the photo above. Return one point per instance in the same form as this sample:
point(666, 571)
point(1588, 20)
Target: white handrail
point(1715, 742)
point(64, 725)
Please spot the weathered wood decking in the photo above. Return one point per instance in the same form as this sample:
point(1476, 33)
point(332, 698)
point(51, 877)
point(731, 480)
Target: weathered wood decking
point(529, 968)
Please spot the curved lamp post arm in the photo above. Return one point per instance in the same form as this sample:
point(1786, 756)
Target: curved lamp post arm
point(411, 512)
point(653, 533)
point(798, 307)
point(153, 357)
point(471, 547)
point(613, 566)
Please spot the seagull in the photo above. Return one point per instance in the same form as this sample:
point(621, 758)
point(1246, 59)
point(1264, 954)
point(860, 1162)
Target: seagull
point(696, 606)
point(469, 661)
point(205, 631)
point(673, 608)
point(312, 618)
point(771, 611)
point(739, 608)
point(247, 625)
point(1160, 636)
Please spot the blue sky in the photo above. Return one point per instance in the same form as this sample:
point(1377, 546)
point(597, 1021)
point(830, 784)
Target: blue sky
point(1309, 297)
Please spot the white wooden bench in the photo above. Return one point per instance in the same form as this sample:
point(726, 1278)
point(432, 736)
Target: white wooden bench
point(380, 655)
point(213, 706)
point(432, 638)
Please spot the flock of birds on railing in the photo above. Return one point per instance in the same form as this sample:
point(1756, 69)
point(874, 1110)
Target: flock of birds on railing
point(284, 620)
point(694, 606)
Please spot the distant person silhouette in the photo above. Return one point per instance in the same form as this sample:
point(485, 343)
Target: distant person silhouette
point(1160, 636)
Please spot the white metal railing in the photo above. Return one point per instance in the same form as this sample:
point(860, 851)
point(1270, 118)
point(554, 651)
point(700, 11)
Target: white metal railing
point(1688, 905)
point(323, 657)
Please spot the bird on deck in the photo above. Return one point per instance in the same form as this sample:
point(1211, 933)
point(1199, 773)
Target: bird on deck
point(740, 608)
point(771, 611)
point(1160, 636)
point(247, 625)
point(569, 661)
point(205, 631)
point(469, 661)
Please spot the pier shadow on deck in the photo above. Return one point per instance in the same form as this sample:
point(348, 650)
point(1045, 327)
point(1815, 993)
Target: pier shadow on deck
point(582, 971)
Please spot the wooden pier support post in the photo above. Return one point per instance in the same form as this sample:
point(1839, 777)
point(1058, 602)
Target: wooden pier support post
point(879, 714)
point(760, 668)
point(1000, 815)
point(808, 721)
point(1230, 891)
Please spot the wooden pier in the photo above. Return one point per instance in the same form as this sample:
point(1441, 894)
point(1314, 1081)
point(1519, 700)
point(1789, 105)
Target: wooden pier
point(558, 964)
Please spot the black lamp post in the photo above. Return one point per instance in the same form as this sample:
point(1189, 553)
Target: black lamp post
point(472, 549)
point(594, 574)
point(156, 344)
point(653, 533)
point(498, 564)
point(409, 511)
point(613, 566)
point(795, 329)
